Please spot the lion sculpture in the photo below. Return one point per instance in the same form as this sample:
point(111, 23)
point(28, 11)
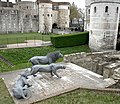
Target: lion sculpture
point(48, 59)
point(52, 69)
point(20, 89)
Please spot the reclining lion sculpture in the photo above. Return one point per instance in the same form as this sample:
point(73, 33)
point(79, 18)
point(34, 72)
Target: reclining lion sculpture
point(52, 69)
point(48, 59)
point(20, 89)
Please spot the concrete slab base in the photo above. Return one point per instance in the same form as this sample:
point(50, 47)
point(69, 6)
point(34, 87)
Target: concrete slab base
point(45, 86)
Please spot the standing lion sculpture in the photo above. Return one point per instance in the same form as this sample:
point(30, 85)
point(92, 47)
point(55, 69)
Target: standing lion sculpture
point(48, 59)
point(51, 68)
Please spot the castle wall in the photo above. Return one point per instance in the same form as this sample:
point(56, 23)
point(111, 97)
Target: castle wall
point(41, 17)
point(55, 17)
point(48, 17)
point(63, 20)
point(104, 19)
point(8, 20)
point(87, 15)
point(45, 17)
point(28, 16)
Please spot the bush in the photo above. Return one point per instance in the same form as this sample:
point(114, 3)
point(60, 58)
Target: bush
point(70, 39)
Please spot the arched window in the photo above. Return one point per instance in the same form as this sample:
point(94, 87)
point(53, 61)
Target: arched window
point(117, 9)
point(94, 9)
point(88, 11)
point(106, 9)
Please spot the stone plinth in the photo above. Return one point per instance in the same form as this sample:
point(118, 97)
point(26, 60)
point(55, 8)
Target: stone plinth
point(109, 69)
point(45, 86)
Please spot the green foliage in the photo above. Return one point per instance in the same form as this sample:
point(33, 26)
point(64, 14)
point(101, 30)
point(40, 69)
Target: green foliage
point(5, 97)
point(82, 96)
point(20, 57)
point(70, 39)
point(74, 12)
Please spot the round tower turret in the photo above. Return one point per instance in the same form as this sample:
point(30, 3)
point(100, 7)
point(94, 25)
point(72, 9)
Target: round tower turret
point(63, 14)
point(45, 15)
point(0, 3)
point(104, 19)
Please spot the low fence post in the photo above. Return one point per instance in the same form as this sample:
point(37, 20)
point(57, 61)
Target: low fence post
point(34, 41)
point(26, 40)
point(7, 42)
point(17, 41)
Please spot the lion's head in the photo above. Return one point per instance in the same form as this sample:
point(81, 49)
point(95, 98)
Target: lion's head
point(55, 55)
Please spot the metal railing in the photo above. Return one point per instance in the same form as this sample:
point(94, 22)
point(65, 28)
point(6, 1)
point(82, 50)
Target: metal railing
point(23, 41)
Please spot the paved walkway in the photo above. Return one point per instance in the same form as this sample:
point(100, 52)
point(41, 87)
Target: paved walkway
point(45, 86)
point(29, 43)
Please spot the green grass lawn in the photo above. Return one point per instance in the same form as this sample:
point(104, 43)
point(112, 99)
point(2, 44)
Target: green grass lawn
point(22, 37)
point(81, 96)
point(5, 97)
point(20, 57)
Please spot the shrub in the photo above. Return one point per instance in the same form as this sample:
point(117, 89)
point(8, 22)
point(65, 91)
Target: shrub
point(70, 39)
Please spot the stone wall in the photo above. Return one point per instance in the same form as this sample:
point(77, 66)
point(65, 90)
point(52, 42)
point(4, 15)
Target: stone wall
point(101, 20)
point(87, 15)
point(9, 20)
point(21, 18)
point(104, 63)
point(104, 19)
point(48, 17)
point(28, 16)
point(55, 17)
point(63, 20)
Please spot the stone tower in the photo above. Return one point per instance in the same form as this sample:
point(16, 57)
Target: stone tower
point(63, 15)
point(45, 15)
point(0, 3)
point(87, 15)
point(104, 20)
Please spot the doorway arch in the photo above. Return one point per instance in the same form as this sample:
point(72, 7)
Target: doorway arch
point(54, 26)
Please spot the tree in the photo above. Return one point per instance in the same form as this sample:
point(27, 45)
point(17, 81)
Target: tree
point(75, 12)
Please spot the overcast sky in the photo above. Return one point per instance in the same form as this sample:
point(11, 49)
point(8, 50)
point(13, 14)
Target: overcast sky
point(79, 3)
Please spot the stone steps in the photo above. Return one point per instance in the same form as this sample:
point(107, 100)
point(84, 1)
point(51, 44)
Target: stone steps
point(83, 70)
point(6, 61)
